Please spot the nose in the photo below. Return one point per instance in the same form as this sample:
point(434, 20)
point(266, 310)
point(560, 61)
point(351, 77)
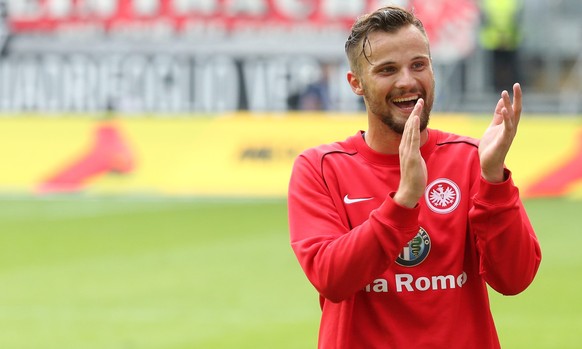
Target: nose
point(405, 79)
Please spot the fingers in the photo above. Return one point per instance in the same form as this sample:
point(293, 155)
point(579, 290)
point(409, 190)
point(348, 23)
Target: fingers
point(498, 138)
point(512, 112)
point(415, 123)
point(411, 134)
point(412, 166)
point(517, 96)
point(507, 110)
point(507, 120)
point(517, 99)
point(418, 107)
point(498, 114)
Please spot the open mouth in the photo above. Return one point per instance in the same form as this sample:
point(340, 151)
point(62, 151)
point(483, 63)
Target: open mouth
point(405, 102)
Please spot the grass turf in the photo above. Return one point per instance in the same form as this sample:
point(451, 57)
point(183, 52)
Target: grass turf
point(152, 273)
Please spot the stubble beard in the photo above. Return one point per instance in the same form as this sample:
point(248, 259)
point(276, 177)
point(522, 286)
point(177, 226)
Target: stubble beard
point(394, 124)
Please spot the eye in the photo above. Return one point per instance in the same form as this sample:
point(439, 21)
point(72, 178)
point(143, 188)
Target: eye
point(388, 70)
point(418, 65)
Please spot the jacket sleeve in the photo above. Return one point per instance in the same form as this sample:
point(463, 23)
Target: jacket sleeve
point(509, 251)
point(339, 261)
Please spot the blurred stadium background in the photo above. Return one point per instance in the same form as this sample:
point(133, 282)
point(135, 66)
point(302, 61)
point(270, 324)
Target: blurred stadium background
point(146, 147)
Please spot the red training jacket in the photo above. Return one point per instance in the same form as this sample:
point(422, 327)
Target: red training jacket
point(395, 277)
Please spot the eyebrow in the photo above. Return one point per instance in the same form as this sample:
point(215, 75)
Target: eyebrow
point(415, 58)
point(380, 64)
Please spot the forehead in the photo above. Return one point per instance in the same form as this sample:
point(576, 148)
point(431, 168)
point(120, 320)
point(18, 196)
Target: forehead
point(405, 44)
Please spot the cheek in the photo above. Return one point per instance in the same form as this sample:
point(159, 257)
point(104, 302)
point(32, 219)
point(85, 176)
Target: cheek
point(383, 88)
point(429, 82)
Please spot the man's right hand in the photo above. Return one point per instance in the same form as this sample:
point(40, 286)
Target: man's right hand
point(413, 173)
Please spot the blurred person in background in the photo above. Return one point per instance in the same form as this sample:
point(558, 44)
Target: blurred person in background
point(401, 228)
point(4, 28)
point(500, 35)
point(315, 96)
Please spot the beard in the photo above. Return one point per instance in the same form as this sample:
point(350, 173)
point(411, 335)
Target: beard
point(397, 126)
point(382, 110)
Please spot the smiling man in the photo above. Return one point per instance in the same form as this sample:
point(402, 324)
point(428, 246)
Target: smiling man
point(401, 228)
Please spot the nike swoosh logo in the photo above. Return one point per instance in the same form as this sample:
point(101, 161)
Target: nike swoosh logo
point(348, 201)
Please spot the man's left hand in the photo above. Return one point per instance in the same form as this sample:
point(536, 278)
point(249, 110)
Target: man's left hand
point(498, 137)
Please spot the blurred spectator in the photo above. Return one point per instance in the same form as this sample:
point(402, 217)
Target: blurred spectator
point(501, 36)
point(4, 28)
point(316, 95)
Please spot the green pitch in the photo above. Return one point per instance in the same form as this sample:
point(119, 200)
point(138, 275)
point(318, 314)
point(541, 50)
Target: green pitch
point(88, 273)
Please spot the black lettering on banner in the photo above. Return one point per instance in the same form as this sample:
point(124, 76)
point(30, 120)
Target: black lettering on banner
point(261, 153)
point(161, 83)
point(268, 153)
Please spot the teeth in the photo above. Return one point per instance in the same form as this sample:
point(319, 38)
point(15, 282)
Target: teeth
point(405, 99)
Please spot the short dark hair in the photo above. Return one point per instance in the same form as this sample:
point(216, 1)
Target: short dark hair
point(388, 19)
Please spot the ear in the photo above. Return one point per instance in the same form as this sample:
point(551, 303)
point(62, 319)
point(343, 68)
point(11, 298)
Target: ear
point(355, 83)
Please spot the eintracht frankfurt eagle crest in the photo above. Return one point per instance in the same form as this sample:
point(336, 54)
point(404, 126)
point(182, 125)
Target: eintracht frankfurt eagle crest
point(442, 195)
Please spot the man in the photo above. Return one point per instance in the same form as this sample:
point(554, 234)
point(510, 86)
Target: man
point(501, 36)
point(401, 227)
